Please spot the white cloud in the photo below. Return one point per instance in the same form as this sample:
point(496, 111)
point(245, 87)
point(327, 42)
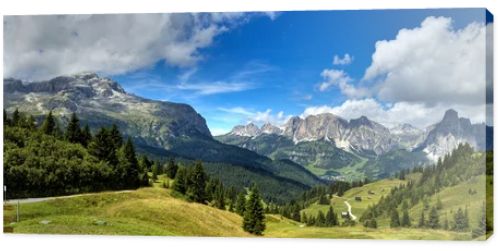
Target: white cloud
point(417, 114)
point(417, 76)
point(347, 59)
point(257, 117)
point(40, 47)
point(432, 63)
point(214, 87)
point(236, 110)
point(333, 77)
point(339, 78)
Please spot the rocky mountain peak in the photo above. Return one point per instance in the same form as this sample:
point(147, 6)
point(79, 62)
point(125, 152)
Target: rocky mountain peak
point(101, 101)
point(451, 131)
point(450, 115)
point(405, 128)
point(268, 128)
point(249, 130)
point(363, 120)
point(81, 85)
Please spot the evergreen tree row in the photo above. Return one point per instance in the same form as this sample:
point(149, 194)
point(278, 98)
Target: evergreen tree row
point(194, 183)
point(48, 160)
point(321, 220)
point(459, 166)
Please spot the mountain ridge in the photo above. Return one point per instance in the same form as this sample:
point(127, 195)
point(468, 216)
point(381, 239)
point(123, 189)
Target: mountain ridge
point(159, 129)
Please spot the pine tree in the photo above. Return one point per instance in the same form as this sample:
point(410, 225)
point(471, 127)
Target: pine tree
point(72, 133)
point(219, 197)
point(395, 219)
point(231, 206)
point(180, 181)
point(303, 218)
point(323, 200)
point(439, 204)
point(172, 168)
point(85, 136)
point(433, 218)
point(155, 169)
point(421, 221)
point(321, 219)
point(101, 148)
point(6, 120)
point(49, 124)
point(115, 137)
point(99, 145)
point(446, 224)
point(466, 218)
point(31, 123)
point(311, 221)
point(127, 162)
point(460, 219)
point(240, 204)
point(254, 218)
point(16, 117)
point(331, 218)
point(371, 223)
point(480, 230)
point(197, 183)
point(295, 213)
point(405, 220)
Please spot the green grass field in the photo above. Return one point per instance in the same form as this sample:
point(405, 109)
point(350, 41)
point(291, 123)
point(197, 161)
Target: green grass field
point(158, 211)
point(370, 194)
point(280, 227)
point(146, 211)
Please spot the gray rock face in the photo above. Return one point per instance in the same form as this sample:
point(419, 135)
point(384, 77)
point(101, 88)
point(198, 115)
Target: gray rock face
point(446, 135)
point(359, 134)
point(102, 101)
point(268, 128)
point(249, 130)
point(407, 135)
point(366, 136)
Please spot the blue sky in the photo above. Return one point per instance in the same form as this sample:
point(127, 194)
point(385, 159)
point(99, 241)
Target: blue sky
point(268, 67)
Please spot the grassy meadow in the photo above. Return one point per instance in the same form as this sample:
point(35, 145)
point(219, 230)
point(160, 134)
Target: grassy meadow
point(160, 211)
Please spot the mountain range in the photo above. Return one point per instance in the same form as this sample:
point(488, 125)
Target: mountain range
point(159, 129)
point(293, 154)
point(364, 135)
point(333, 144)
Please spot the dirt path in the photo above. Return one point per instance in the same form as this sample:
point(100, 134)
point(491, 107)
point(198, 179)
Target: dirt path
point(33, 200)
point(353, 217)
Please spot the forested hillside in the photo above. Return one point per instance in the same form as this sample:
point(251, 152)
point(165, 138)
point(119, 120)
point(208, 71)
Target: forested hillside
point(47, 160)
point(454, 194)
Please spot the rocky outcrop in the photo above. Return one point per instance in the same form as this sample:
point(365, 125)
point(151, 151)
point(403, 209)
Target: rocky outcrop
point(102, 101)
point(446, 135)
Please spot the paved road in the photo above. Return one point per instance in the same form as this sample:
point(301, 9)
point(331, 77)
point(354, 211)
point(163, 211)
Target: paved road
point(33, 200)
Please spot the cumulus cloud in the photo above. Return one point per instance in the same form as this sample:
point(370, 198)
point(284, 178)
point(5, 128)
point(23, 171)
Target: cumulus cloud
point(418, 75)
point(342, 80)
point(257, 117)
point(433, 63)
point(40, 47)
point(347, 59)
point(417, 114)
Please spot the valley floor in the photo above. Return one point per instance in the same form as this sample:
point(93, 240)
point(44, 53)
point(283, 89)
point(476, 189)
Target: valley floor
point(155, 211)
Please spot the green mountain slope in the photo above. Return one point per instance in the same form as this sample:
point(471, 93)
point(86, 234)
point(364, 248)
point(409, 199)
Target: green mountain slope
point(278, 180)
point(147, 211)
point(327, 161)
point(319, 157)
point(460, 182)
